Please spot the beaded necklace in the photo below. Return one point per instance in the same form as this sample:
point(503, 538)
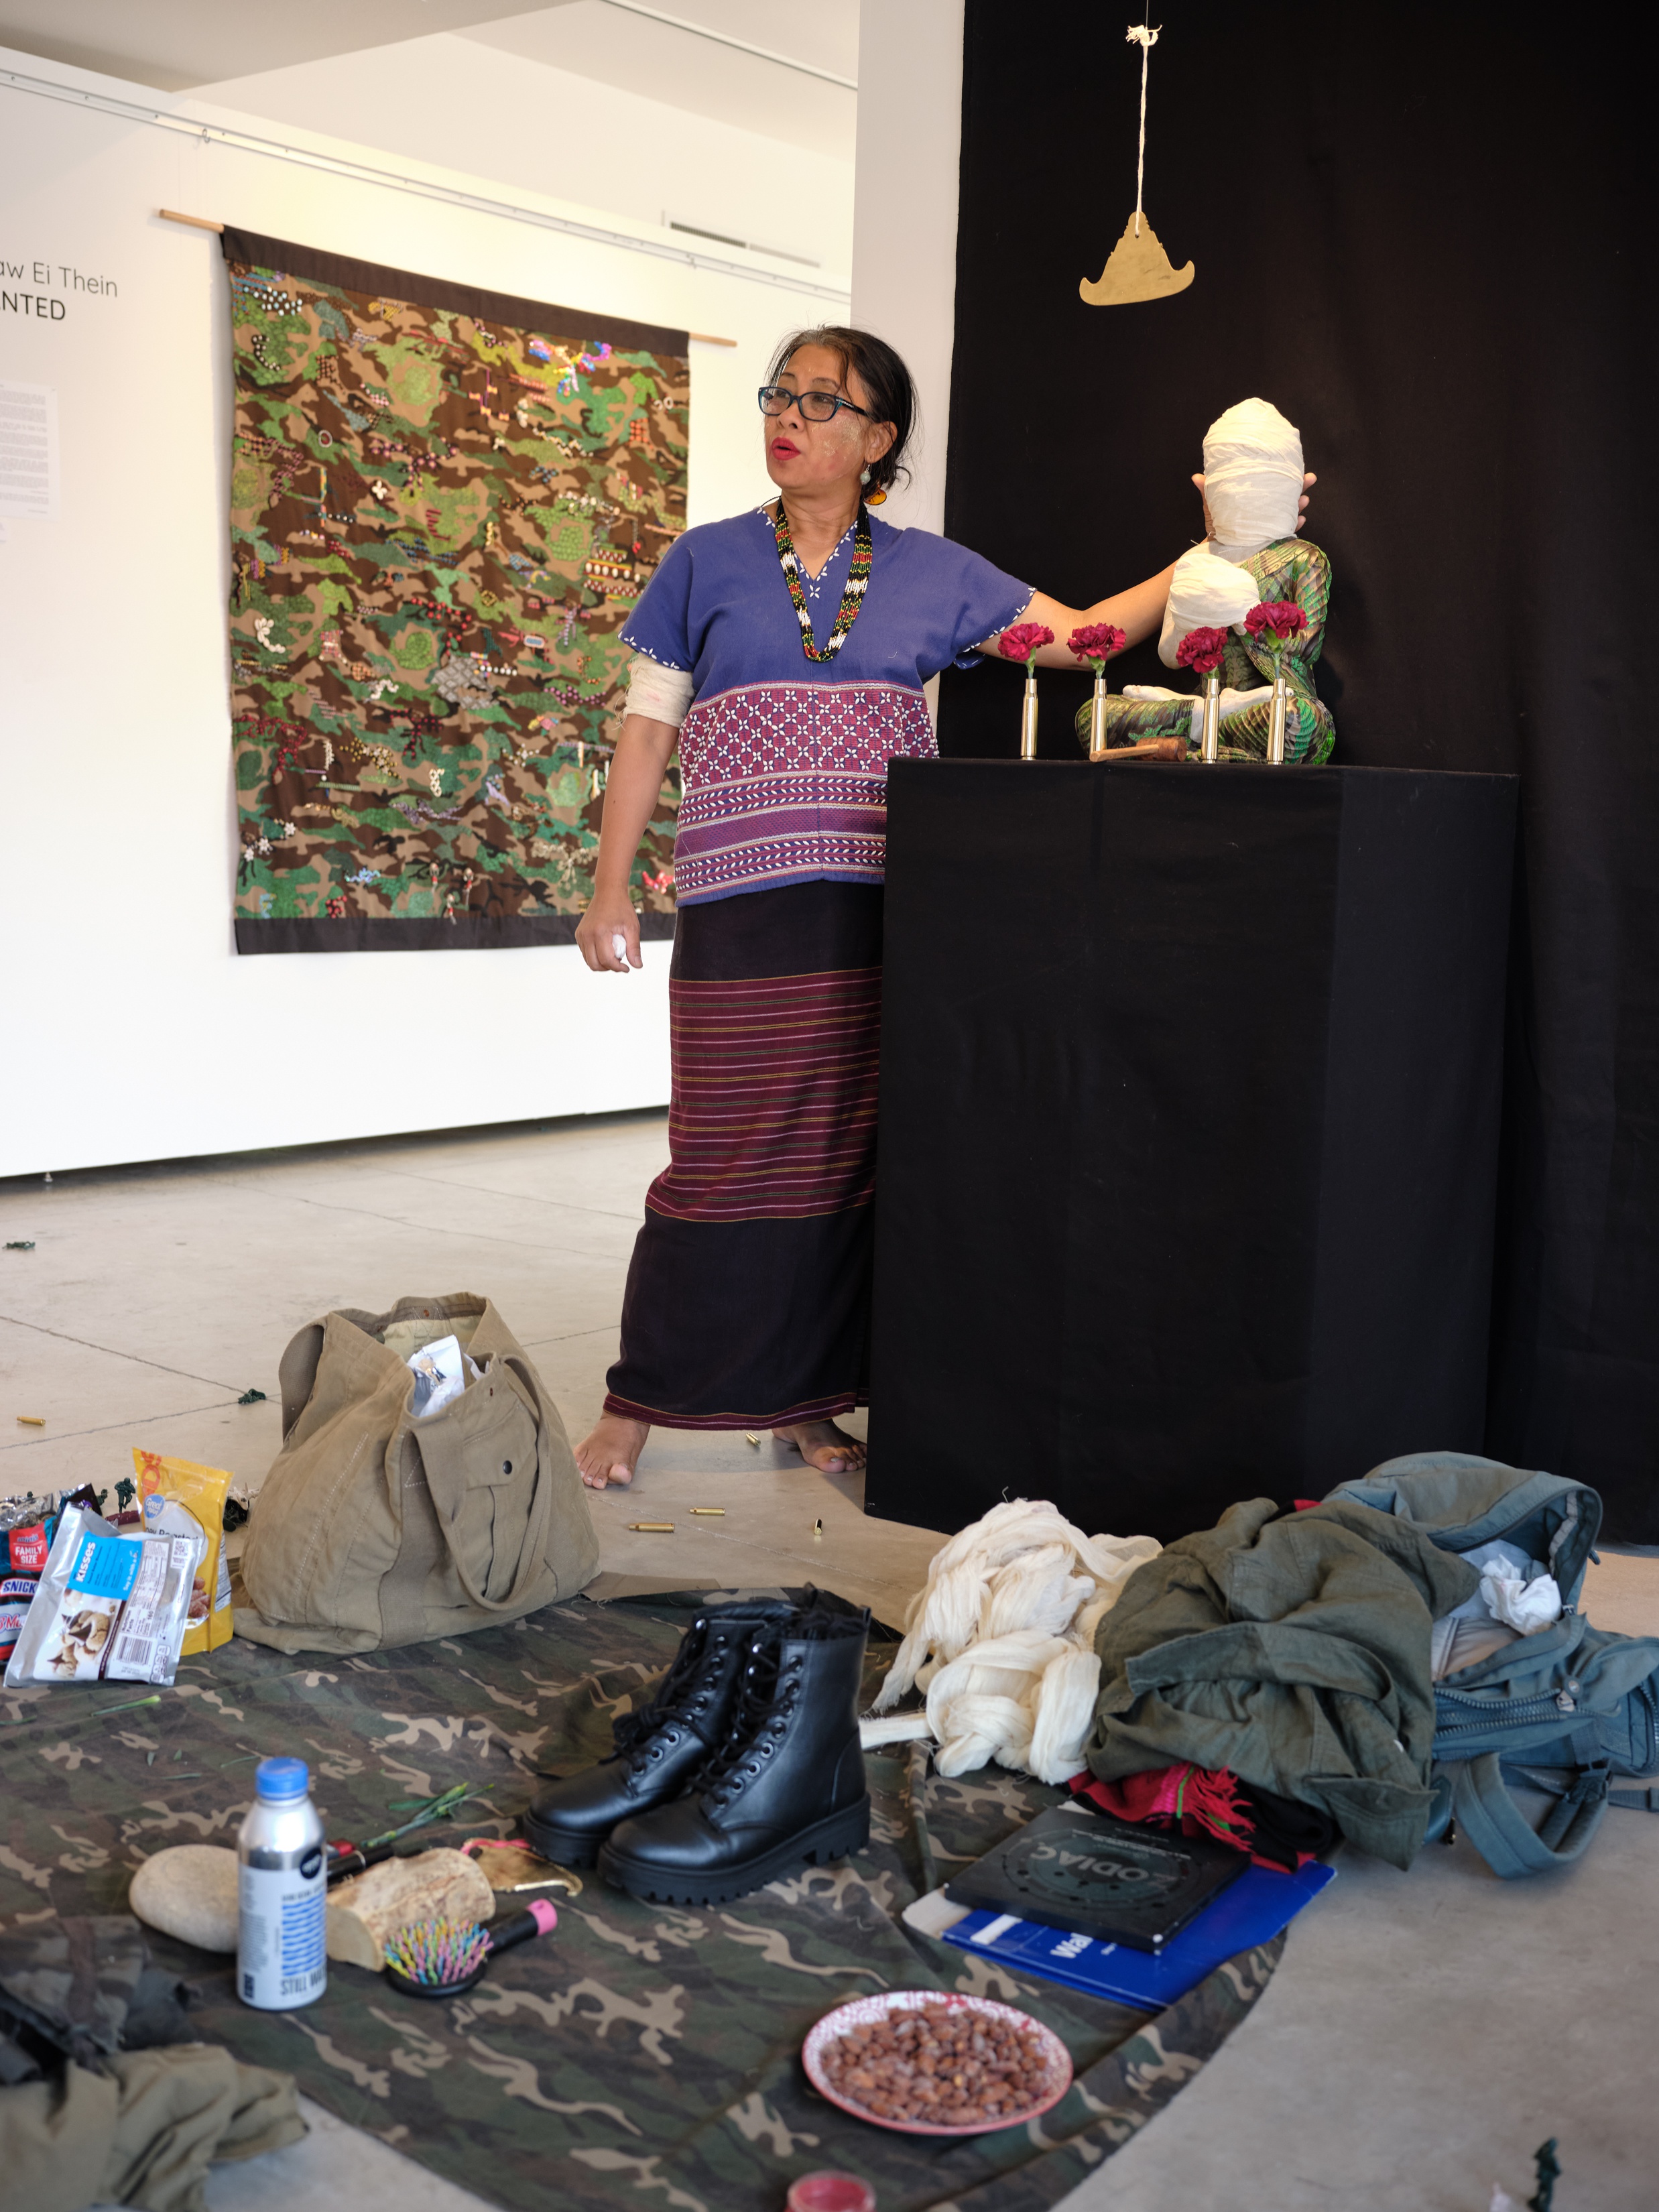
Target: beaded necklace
point(857, 579)
point(813, 585)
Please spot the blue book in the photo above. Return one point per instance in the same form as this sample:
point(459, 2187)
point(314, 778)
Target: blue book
point(1251, 1910)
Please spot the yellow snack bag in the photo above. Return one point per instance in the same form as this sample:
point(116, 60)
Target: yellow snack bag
point(202, 1491)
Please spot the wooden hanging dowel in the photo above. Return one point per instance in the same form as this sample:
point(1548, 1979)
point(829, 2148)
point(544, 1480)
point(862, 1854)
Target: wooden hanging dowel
point(203, 223)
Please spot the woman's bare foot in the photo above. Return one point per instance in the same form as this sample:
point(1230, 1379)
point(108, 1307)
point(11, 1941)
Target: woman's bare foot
point(610, 1452)
point(822, 1445)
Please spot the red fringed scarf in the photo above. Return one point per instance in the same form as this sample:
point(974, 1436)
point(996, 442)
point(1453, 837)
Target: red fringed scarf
point(1190, 1798)
point(1194, 1799)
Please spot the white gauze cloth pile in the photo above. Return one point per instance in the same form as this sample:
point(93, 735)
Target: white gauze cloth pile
point(1002, 1641)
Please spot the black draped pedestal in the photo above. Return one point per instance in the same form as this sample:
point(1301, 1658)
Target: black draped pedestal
point(1189, 1118)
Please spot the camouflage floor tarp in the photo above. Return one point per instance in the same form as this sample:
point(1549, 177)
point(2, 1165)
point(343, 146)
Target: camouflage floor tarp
point(640, 2055)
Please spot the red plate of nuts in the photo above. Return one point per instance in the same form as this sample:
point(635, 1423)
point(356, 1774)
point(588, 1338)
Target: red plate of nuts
point(933, 2064)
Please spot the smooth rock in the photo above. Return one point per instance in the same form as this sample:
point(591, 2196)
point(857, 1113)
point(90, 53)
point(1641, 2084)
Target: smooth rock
point(189, 1890)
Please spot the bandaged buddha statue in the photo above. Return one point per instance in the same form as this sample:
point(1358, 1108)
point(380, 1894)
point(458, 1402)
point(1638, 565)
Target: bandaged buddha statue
point(1253, 481)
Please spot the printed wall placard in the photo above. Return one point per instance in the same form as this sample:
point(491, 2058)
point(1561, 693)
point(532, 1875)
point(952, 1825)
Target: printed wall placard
point(444, 505)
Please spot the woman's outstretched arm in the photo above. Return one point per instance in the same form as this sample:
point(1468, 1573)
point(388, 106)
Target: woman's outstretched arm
point(1138, 612)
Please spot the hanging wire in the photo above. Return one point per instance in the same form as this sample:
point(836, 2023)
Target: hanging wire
point(1139, 34)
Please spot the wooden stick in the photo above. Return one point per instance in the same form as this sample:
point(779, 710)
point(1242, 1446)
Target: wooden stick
point(1171, 749)
point(203, 222)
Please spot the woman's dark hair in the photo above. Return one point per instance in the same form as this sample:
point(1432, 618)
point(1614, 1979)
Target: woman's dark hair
point(892, 394)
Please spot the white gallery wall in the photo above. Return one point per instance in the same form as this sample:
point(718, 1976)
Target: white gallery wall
point(132, 1030)
point(538, 127)
point(905, 234)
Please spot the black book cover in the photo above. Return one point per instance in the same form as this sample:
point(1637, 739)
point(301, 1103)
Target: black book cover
point(1092, 1875)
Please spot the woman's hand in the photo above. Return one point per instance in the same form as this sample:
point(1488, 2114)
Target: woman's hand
point(1308, 482)
point(631, 790)
point(606, 921)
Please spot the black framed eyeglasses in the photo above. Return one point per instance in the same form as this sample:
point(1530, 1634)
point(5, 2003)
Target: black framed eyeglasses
point(815, 406)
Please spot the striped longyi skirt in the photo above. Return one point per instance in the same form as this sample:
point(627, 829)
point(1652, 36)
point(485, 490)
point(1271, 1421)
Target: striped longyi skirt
point(748, 1297)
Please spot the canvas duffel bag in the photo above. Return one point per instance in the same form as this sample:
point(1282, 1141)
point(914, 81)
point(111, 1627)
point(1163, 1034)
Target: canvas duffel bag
point(375, 1528)
point(1567, 1711)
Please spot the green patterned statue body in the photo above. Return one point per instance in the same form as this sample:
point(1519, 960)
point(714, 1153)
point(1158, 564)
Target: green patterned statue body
point(1253, 483)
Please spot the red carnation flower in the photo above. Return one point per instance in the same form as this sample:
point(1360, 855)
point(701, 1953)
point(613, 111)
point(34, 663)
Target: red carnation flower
point(1283, 618)
point(1024, 642)
point(1202, 650)
point(1096, 642)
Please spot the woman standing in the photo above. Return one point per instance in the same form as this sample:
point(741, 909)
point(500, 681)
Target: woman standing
point(786, 650)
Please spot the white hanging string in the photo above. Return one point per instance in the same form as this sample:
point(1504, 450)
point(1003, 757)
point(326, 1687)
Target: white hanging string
point(1139, 34)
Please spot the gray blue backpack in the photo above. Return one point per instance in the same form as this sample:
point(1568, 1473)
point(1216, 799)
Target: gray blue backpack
point(1562, 1711)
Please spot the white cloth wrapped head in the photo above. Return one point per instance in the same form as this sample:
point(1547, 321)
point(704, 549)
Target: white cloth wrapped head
point(1252, 478)
point(1002, 1640)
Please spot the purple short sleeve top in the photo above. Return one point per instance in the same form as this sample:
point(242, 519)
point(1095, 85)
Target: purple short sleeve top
point(784, 760)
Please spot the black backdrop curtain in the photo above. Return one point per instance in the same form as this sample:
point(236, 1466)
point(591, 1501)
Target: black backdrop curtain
point(1427, 236)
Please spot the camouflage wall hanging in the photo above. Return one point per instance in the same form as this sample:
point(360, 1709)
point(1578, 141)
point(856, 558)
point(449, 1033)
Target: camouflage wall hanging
point(444, 504)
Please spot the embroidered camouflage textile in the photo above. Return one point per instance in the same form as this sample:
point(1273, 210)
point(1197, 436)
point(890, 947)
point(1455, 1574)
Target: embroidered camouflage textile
point(640, 2055)
point(441, 516)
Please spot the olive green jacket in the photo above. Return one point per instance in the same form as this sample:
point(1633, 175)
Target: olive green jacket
point(1293, 1650)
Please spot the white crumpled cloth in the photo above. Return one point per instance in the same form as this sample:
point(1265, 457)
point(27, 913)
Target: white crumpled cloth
point(1001, 1638)
point(1506, 1605)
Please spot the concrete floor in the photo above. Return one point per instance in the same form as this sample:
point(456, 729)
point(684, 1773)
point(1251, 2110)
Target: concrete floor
point(1425, 2032)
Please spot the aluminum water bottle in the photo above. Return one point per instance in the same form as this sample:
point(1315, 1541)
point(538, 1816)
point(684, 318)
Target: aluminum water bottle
point(281, 1892)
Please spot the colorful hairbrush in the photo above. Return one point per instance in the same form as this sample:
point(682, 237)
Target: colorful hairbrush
point(443, 1957)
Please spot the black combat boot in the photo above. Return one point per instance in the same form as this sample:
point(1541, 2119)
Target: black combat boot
point(660, 1747)
point(787, 1787)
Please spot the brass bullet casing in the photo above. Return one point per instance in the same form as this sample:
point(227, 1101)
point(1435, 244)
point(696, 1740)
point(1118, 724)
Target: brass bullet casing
point(1097, 718)
point(1279, 714)
point(709, 1512)
point(751, 1437)
point(33, 1420)
point(1028, 719)
point(512, 1867)
point(654, 1528)
point(1212, 741)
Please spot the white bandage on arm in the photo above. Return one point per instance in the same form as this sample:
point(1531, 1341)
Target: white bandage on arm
point(661, 694)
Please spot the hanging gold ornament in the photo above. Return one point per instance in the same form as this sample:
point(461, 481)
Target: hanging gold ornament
point(1137, 268)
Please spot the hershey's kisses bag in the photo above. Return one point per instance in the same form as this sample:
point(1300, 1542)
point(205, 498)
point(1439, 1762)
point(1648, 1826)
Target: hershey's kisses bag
point(378, 1525)
point(1567, 1711)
